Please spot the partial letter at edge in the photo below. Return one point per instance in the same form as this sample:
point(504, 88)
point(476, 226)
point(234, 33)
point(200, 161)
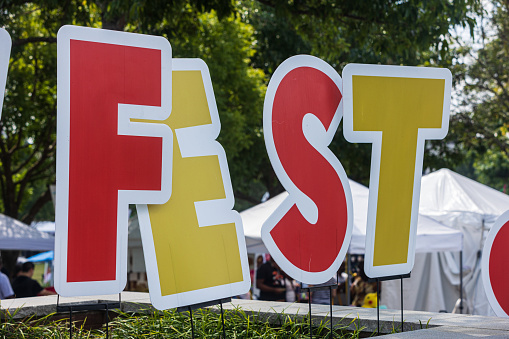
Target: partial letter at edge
point(5, 53)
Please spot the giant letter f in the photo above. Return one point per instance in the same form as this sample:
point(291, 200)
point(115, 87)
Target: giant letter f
point(104, 161)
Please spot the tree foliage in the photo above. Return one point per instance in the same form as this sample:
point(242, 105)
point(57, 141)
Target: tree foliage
point(242, 42)
point(226, 46)
point(27, 127)
point(481, 127)
point(341, 32)
point(392, 32)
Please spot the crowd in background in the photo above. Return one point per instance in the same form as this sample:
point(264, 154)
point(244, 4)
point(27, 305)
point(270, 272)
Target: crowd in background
point(21, 284)
point(269, 279)
point(275, 285)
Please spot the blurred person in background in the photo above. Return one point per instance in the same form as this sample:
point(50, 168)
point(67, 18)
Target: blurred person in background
point(24, 286)
point(271, 282)
point(6, 291)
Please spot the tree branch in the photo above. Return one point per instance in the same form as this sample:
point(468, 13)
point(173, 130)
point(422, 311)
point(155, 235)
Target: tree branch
point(324, 9)
point(47, 152)
point(44, 147)
point(21, 42)
point(36, 207)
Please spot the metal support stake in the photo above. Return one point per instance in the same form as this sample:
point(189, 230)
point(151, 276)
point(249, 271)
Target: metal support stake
point(222, 319)
point(87, 307)
point(348, 272)
point(461, 282)
point(310, 325)
point(70, 322)
point(330, 291)
point(378, 306)
point(192, 325)
point(340, 302)
point(107, 323)
point(402, 304)
point(315, 288)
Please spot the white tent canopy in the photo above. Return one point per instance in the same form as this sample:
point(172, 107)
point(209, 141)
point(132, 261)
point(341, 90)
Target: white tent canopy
point(467, 206)
point(136, 261)
point(446, 192)
point(44, 226)
point(15, 235)
point(431, 236)
point(253, 219)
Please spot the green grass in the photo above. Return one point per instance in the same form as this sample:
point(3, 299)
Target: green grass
point(172, 324)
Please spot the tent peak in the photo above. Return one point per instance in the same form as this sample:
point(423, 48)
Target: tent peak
point(447, 191)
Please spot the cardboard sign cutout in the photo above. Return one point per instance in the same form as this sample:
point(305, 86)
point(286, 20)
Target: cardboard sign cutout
point(395, 108)
point(5, 52)
point(309, 233)
point(494, 266)
point(104, 161)
point(194, 244)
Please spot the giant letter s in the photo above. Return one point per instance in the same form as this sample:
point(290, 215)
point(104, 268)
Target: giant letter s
point(309, 233)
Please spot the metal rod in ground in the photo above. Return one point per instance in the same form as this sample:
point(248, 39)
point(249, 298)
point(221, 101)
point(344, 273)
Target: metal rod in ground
point(378, 306)
point(348, 273)
point(402, 330)
point(70, 322)
point(330, 316)
point(192, 325)
point(310, 325)
point(222, 319)
point(340, 302)
point(461, 282)
point(107, 323)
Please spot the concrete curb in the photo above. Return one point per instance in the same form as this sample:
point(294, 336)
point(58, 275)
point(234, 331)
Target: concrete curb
point(421, 324)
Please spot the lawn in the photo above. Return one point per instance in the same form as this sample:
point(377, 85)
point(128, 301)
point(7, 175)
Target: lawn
point(172, 324)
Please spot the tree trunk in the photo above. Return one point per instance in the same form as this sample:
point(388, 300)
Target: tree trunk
point(9, 259)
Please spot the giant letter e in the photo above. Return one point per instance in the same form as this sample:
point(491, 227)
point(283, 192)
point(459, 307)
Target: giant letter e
point(104, 161)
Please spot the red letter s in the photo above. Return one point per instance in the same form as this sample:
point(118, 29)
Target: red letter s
point(309, 233)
